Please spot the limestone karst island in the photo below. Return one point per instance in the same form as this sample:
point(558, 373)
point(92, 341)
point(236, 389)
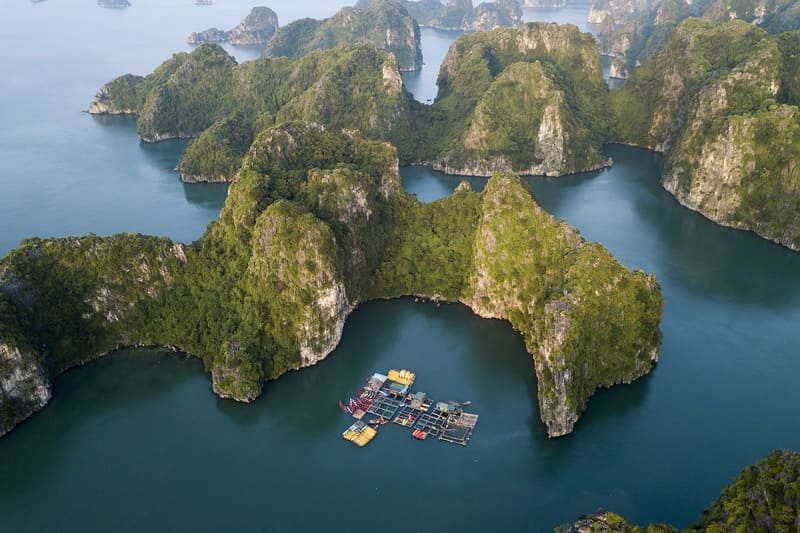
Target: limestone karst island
point(509, 266)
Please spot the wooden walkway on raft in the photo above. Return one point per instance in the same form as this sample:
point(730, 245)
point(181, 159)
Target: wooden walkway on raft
point(389, 398)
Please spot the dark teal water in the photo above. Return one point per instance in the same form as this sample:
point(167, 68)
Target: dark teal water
point(138, 441)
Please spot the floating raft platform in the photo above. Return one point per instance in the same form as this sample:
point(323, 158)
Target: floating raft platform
point(359, 433)
point(459, 428)
point(389, 397)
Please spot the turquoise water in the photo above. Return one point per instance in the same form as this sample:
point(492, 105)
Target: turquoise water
point(138, 441)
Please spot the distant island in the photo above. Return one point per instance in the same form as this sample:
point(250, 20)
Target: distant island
point(633, 31)
point(527, 100)
point(114, 4)
point(256, 29)
point(461, 15)
point(384, 23)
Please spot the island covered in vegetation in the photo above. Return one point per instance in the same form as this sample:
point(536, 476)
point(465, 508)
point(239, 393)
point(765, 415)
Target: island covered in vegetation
point(384, 23)
point(527, 100)
point(721, 102)
point(764, 498)
point(461, 15)
point(315, 223)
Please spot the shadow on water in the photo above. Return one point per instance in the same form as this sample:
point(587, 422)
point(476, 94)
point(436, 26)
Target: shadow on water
point(430, 185)
point(626, 208)
point(92, 395)
point(550, 192)
point(704, 257)
point(207, 195)
point(164, 154)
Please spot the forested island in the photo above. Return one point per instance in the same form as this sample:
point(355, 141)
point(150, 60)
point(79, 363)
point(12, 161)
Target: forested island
point(461, 15)
point(526, 100)
point(631, 31)
point(721, 102)
point(384, 23)
point(765, 497)
point(315, 223)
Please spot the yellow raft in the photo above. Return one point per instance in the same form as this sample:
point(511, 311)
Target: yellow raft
point(403, 377)
point(359, 433)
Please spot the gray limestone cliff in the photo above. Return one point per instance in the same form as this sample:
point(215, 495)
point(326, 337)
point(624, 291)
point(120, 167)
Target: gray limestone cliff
point(726, 123)
point(24, 386)
point(66, 301)
point(522, 104)
point(554, 310)
point(634, 30)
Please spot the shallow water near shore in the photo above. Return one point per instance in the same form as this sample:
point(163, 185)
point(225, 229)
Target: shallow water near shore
point(138, 441)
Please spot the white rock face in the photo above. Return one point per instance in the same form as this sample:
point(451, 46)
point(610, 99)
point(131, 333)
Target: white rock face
point(550, 139)
point(24, 387)
point(333, 309)
point(101, 104)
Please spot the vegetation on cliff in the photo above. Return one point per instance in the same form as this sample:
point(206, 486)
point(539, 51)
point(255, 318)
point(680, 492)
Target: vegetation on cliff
point(633, 31)
point(765, 497)
point(462, 15)
point(349, 87)
point(315, 222)
point(529, 100)
point(721, 102)
point(384, 23)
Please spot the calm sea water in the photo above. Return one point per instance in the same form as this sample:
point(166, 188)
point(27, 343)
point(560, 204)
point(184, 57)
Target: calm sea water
point(138, 441)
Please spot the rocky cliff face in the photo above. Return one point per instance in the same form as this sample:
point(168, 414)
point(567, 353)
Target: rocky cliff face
point(256, 29)
point(118, 97)
point(24, 386)
point(727, 136)
point(498, 14)
point(526, 106)
point(552, 309)
point(635, 30)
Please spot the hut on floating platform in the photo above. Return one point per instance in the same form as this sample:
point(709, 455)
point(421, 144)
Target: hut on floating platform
point(449, 408)
point(419, 401)
point(374, 384)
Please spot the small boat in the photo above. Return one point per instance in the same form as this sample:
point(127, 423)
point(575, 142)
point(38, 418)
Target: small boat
point(378, 421)
point(419, 434)
point(466, 404)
